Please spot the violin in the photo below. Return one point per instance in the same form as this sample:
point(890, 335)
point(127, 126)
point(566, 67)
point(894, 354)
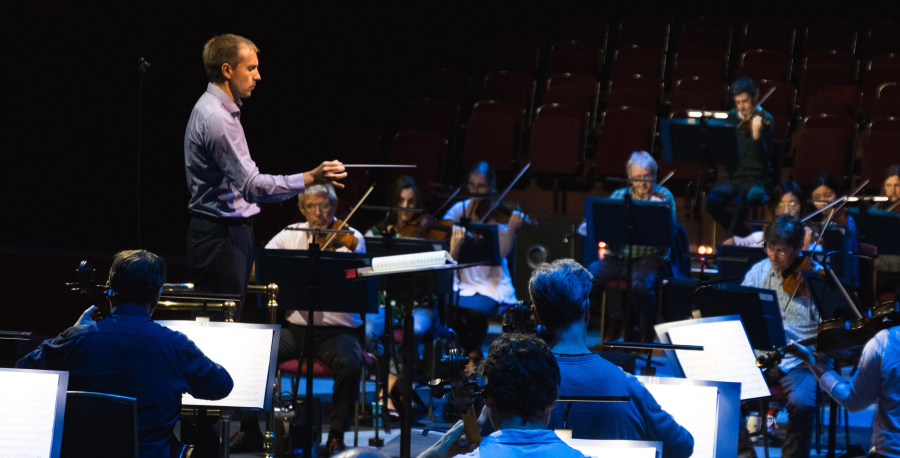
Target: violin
point(746, 125)
point(334, 242)
point(501, 212)
point(426, 227)
point(463, 389)
point(792, 279)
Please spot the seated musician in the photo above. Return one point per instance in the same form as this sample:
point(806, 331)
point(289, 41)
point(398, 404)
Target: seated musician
point(127, 354)
point(783, 238)
point(887, 266)
point(337, 336)
point(877, 380)
point(560, 293)
point(483, 290)
point(648, 262)
point(749, 183)
point(523, 385)
point(890, 188)
point(824, 190)
point(786, 199)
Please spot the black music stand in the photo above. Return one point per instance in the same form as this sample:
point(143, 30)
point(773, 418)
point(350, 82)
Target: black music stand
point(409, 286)
point(487, 250)
point(313, 280)
point(731, 268)
point(703, 141)
point(828, 298)
point(879, 228)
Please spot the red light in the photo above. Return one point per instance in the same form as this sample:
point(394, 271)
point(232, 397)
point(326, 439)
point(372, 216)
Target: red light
point(704, 250)
point(601, 245)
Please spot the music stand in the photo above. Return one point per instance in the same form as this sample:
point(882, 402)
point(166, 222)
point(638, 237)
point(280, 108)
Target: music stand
point(486, 250)
point(704, 141)
point(26, 406)
point(758, 309)
point(879, 228)
point(321, 275)
point(827, 297)
point(728, 269)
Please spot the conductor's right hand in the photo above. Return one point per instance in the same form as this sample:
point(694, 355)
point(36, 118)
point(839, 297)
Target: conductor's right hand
point(326, 172)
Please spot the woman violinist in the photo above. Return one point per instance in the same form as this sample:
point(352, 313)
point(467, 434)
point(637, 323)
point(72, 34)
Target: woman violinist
point(823, 192)
point(786, 199)
point(887, 266)
point(483, 290)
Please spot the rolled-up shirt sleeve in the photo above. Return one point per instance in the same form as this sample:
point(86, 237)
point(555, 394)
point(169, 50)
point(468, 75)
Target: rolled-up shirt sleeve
point(864, 389)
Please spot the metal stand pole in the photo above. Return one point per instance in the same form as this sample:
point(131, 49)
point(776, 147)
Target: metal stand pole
point(224, 447)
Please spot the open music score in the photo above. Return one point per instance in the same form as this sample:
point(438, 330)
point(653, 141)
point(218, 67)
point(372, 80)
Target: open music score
point(694, 407)
point(31, 412)
point(615, 448)
point(246, 351)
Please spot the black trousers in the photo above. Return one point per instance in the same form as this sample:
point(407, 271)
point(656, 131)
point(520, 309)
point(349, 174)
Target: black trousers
point(339, 347)
point(220, 255)
point(740, 195)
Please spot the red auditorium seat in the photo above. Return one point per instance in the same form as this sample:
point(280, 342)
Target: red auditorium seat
point(494, 134)
point(887, 105)
point(558, 138)
point(829, 35)
point(831, 58)
point(592, 28)
point(517, 56)
point(765, 64)
point(849, 93)
point(782, 100)
point(432, 115)
point(823, 104)
point(701, 62)
point(845, 124)
point(722, 28)
point(873, 80)
point(820, 150)
point(769, 33)
point(635, 91)
point(695, 38)
point(819, 75)
point(883, 38)
point(884, 125)
point(696, 93)
point(638, 60)
point(782, 127)
point(624, 131)
point(577, 90)
point(881, 151)
point(426, 150)
point(448, 84)
point(575, 57)
point(644, 30)
point(510, 87)
point(358, 146)
point(884, 61)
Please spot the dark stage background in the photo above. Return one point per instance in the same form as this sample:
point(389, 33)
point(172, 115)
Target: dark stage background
point(71, 108)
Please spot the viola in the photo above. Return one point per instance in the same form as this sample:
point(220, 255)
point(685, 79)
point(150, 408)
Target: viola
point(334, 242)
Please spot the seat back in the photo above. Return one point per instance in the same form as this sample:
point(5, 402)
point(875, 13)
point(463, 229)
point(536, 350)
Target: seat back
point(638, 60)
point(782, 100)
point(635, 91)
point(817, 76)
point(517, 56)
point(769, 33)
point(778, 64)
point(880, 152)
point(644, 30)
point(624, 131)
point(827, 35)
point(577, 57)
point(820, 150)
point(883, 38)
point(558, 137)
point(98, 424)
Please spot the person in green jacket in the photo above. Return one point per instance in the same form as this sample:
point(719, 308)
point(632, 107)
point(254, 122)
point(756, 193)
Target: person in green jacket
point(750, 183)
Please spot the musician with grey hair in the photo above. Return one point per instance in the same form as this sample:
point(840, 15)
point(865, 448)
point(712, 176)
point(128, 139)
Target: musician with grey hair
point(648, 262)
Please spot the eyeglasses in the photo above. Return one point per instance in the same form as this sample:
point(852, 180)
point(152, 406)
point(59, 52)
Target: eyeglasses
point(783, 251)
point(789, 205)
point(479, 187)
point(643, 178)
point(323, 206)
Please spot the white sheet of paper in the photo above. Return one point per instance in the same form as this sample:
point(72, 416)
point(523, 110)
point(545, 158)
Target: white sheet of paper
point(244, 353)
point(593, 448)
point(693, 407)
point(27, 413)
point(726, 356)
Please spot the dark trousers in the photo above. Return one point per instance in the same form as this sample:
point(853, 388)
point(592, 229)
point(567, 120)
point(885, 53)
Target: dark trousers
point(740, 195)
point(799, 385)
point(220, 255)
point(646, 274)
point(339, 348)
point(471, 321)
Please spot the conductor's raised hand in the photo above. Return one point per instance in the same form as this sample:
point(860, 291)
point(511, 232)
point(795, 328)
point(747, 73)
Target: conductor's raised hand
point(326, 172)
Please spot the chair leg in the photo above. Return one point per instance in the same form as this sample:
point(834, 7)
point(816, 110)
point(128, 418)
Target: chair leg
point(361, 400)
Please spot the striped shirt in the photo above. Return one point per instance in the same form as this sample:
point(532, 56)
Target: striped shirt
point(223, 180)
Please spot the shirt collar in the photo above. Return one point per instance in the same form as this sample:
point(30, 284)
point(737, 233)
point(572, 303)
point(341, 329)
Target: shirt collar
point(534, 436)
point(739, 115)
point(230, 105)
point(130, 310)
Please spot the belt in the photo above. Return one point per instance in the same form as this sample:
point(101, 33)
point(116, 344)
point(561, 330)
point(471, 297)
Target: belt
point(225, 221)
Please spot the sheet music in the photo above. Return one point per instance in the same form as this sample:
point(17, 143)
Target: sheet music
point(410, 261)
point(244, 353)
point(27, 413)
point(693, 407)
point(597, 449)
point(726, 356)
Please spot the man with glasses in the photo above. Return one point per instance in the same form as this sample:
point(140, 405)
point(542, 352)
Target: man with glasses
point(337, 337)
point(648, 262)
point(784, 240)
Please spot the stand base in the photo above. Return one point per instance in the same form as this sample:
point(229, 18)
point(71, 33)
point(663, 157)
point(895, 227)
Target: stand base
point(376, 442)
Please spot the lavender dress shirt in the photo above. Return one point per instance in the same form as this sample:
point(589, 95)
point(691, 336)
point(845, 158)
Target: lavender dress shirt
point(223, 180)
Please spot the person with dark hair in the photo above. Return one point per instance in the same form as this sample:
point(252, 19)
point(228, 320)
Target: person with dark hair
point(560, 291)
point(786, 199)
point(887, 266)
point(784, 239)
point(483, 290)
point(749, 183)
point(224, 182)
point(126, 354)
point(824, 191)
point(523, 385)
point(890, 188)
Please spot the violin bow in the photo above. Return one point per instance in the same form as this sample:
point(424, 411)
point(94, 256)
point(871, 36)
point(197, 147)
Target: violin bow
point(766, 96)
point(892, 207)
point(439, 209)
point(666, 178)
point(333, 235)
point(503, 194)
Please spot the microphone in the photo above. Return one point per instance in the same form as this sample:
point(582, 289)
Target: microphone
point(143, 65)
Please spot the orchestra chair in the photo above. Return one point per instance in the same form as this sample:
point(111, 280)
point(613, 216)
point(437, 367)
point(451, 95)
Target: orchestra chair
point(845, 124)
point(769, 33)
point(829, 35)
point(98, 424)
point(873, 80)
point(582, 58)
point(509, 87)
point(882, 38)
point(516, 56)
point(573, 89)
point(765, 64)
point(494, 134)
point(635, 91)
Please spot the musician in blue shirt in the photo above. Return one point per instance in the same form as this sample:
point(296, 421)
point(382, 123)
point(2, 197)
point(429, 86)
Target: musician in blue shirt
point(127, 354)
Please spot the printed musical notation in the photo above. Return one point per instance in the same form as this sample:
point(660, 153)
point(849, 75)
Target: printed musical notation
point(695, 408)
point(244, 353)
point(27, 413)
